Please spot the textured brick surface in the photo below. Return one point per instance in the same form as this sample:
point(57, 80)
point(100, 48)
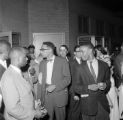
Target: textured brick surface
point(15, 18)
point(48, 16)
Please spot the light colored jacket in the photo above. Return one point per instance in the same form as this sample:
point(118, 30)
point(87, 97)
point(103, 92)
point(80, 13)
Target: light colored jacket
point(17, 96)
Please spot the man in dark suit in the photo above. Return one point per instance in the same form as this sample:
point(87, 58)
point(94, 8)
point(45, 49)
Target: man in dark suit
point(64, 52)
point(92, 84)
point(117, 68)
point(74, 109)
point(4, 50)
point(55, 79)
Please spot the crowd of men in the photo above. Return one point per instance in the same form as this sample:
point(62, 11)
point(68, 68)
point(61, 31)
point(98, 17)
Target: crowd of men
point(54, 87)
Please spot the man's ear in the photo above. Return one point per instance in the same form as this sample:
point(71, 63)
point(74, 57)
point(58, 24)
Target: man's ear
point(90, 50)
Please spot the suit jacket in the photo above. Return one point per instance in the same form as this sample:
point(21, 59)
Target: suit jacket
point(89, 104)
point(2, 70)
point(117, 69)
point(17, 96)
point(60, 78)
point(73, 65)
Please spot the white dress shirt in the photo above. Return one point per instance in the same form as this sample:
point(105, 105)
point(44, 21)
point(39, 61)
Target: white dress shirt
point(95, 65)
point(50, 70)
point(3, 63)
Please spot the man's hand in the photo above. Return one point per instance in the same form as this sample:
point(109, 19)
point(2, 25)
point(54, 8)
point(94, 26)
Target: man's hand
point(38, 114)
point(37, 104)
point(50, 88)
point(43, 112)
point(102, 86)
point(93, 87)
point(76, 98)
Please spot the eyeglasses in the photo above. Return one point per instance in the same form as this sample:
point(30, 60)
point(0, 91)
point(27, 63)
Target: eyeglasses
point(43, 49)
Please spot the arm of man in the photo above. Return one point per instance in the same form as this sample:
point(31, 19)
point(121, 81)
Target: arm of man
point(106, 84)
point(80, 87)
point(117, 66)
point(13, 102)
point(107, 79)
point(66, 76)
point(73, 79)
point(73, 66)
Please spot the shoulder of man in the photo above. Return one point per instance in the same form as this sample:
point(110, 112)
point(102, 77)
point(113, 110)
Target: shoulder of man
point(2, 70)
point(119, 56)
point(103, 63)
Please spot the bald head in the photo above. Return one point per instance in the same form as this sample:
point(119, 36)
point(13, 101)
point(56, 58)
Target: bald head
point(4, 49)
point(18, 56)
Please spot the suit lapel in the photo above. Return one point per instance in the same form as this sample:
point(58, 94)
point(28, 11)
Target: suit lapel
point(2, 70)
point(76, 62)
point(88, 72)
point(99, 71)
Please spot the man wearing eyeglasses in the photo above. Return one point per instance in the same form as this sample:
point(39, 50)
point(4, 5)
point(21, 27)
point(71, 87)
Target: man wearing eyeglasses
point(55, 80)
point(74, 112)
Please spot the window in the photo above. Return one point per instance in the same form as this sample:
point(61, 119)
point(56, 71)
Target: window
point(99, 27)
point(83, 24)
point(111, 30)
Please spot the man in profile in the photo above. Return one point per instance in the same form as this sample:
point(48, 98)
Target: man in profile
point(74, 108)
point(17, 93)
point(117, 68)
point(55, 80)
point(4, 51)
point(92, 84)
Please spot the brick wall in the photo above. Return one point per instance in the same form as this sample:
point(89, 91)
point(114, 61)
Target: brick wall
point(15, 18)
point(48, 16)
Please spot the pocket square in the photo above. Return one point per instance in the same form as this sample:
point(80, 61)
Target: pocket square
point(84, 95)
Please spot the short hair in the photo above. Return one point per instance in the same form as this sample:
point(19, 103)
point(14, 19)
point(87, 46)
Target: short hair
point(101, 49)
point(65, 46)
point(2, 43)
point(15, 51)
point(88, 44)
point(77, 46)
point(31, 46)
point(50, 44)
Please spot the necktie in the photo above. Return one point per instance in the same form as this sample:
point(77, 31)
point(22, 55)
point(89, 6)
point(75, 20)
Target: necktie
point(92, 71)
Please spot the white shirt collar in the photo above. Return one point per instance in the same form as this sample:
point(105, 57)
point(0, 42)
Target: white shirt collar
point(94, 60)
point(52, 58)
point(67, 59)
point(3, 63)
point(16, 69)
point(78, 60)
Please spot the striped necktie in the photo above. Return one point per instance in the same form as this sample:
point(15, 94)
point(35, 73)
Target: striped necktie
point(92, 71)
